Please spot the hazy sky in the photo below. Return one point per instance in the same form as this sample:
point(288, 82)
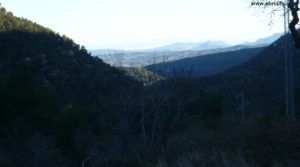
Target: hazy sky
point(137, 24)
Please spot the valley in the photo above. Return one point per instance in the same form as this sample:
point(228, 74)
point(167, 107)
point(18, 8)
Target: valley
point(205, 104)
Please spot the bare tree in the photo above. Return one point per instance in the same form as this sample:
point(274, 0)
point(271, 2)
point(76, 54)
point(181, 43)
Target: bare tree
point(274, 6)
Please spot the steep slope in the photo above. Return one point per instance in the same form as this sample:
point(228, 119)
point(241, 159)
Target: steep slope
point(56, 62)
point(266, 40)
point(261, 79)
point(53, 94)
point(204, 65)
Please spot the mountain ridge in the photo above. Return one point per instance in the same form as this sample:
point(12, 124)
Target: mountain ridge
point(181, 46)
point(204, 65)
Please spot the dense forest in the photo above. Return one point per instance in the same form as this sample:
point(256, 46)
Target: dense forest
point(59, 106)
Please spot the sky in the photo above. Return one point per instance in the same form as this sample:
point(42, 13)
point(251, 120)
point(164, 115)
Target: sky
point(141, 24)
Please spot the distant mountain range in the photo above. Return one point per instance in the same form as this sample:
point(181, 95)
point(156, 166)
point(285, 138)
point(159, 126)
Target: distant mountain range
point(212, 63)
point(180, 46)
point(190, 46)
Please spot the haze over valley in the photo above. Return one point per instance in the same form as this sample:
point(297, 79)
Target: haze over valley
point(172, 52)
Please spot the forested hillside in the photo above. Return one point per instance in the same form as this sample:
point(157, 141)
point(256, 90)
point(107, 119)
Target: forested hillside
point(53, 96)
point(204, 65)
point(261, 79)
point(61, 107)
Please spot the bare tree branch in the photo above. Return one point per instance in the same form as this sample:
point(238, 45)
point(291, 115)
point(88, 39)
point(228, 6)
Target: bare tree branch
point(275, 6)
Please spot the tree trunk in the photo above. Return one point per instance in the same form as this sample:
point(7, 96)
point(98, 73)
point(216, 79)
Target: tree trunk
point(293, 6)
